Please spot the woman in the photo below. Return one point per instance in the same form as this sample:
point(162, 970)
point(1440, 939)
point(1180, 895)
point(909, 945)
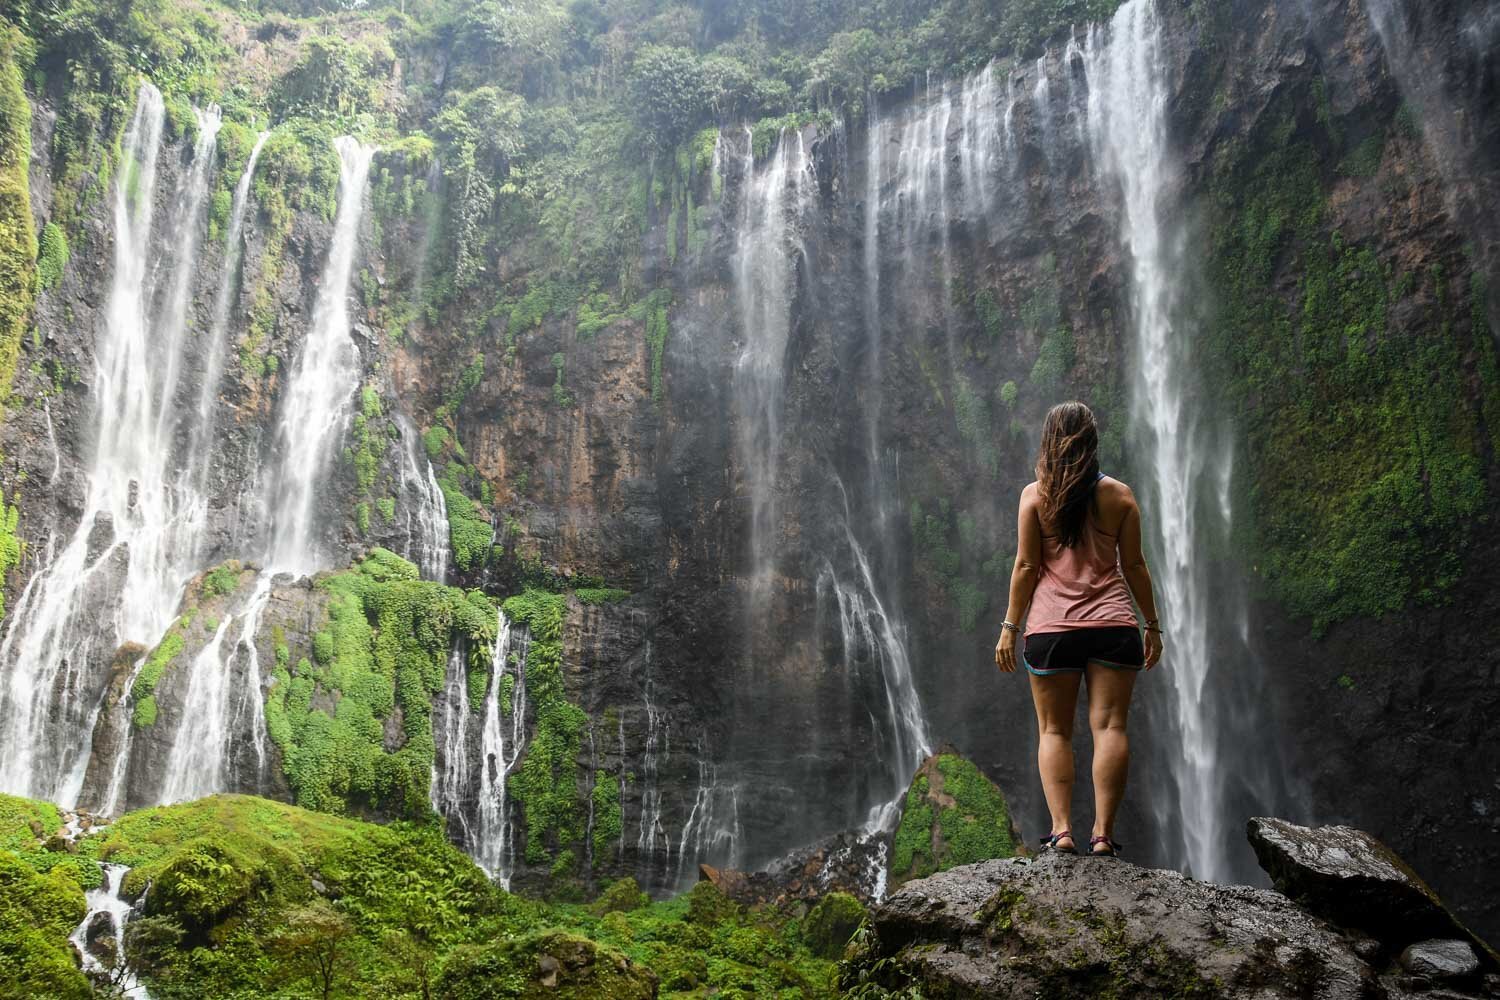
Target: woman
point(1078, 548)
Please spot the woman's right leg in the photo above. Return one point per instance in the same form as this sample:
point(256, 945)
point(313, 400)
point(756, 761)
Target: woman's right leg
point(1056, 700)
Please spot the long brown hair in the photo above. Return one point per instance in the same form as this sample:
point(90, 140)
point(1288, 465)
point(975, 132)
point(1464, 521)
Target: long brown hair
point(1066, 470)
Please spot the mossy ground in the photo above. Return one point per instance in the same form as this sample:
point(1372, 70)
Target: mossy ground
point(41, 901)
point(249, 895)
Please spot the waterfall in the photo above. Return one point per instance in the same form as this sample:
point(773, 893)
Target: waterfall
point(105, 902)
point(652, 837)
point(317, 407)
point(452, 776)
point(1128, 96)
point(224, 703)
point(476, 798)
point(425, 509)
point(501, 743)
point(198, 463)
point(712, 827)
point(129, 551)
point(772, 204)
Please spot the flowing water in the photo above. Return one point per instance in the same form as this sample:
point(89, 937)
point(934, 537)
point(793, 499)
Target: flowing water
point(124, 557)
point(475, 756)
point(1183, 459)
point(319, 396)
point(106, 901)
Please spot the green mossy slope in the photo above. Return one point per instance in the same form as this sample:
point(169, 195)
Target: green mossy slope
point(953, 815)
point(255, 898)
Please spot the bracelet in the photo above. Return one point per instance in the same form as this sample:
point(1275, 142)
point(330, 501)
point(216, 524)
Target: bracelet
point(1010, 626)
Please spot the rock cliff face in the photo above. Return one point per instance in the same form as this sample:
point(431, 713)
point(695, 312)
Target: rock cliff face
point(805, 621)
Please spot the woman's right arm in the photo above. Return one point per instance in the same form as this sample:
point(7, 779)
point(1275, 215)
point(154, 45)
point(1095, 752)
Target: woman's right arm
point(1138, 577)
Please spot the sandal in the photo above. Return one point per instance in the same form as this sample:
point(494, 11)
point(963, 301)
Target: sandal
point(1050, 841)
point(1111, 848)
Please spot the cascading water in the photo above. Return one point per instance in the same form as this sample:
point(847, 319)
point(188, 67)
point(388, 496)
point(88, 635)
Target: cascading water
point(426, 509)
point(1183, 460)
point(132, 548)
point(319, 395)
point(105, 901)
point(475, 799)
point(198, 464)
point(224, 692)
point(772, 203)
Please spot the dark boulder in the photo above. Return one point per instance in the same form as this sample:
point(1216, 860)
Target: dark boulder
point(1062, 927)
point(1350, 878)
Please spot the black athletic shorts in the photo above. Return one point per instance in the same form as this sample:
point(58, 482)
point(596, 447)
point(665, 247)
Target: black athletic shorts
point(1119, 647)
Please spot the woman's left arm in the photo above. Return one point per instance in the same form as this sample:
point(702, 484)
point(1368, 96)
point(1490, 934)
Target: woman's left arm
point(1023, 577)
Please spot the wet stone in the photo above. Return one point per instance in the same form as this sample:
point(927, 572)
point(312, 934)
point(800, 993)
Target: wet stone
point(1441, 960)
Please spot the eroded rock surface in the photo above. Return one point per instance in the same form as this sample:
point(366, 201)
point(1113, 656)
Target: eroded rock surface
point(1059, 926)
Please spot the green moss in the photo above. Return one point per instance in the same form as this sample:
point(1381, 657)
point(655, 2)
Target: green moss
point(1366, 477)
point(988, 312)
point(1008, 394)
point(600, 595)
point(1054, 361)
point(546, 784)
point(11, 546)
point(387, 508)
point(143, 715)
point(143, 712)
point(18, 243)
point(609, 818)
point(52, 256)
point(469, 534)
point(434, 440)
point(383, 651)
point(971, 412)
point(222, 579)
point(37, 913)
point(584, 971)
point(831, 924)
point(953, 815)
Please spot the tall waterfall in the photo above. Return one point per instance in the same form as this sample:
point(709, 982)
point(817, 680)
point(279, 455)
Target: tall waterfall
point(205, 417)
point(224, 687)
point(1182, 460)
point(773, 203)
point(320, 393)
point(425, 509)
point(130, 554)
point(475, 799)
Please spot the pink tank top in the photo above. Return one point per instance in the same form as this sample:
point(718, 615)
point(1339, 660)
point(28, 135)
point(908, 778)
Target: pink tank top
point(1081, 587)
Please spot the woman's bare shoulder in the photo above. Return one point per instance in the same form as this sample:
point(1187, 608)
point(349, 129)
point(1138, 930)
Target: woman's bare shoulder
point(1029, 493)
point(1114, 493)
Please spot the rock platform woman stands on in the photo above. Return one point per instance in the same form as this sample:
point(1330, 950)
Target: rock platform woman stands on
point(1347, 919)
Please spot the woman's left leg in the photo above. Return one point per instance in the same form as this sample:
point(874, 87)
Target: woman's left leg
point(1109, 705)
point(1056, 699)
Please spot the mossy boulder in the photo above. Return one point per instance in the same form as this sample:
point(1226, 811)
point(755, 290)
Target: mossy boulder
point(37, 913)
point(953, 815)
point(831, 924)
point(552, 964)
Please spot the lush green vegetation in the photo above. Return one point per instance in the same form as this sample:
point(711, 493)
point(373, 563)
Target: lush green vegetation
point(18, 243)
point(254, 898)
point(1368, 467)
point(546, 785)
point(381, 652)
point(41, 901)
point(953, 815)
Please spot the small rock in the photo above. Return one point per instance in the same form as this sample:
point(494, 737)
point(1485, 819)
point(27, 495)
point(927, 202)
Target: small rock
point(319, 888)
point(1443, 961)
point(548, 966)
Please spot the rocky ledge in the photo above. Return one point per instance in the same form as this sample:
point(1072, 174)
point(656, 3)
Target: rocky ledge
point(1061, 926)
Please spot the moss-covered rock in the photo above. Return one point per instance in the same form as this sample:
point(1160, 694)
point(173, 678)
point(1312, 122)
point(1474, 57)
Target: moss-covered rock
point(953, 815)
point(37, 913)
point(552, 964)
point(831, 923)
